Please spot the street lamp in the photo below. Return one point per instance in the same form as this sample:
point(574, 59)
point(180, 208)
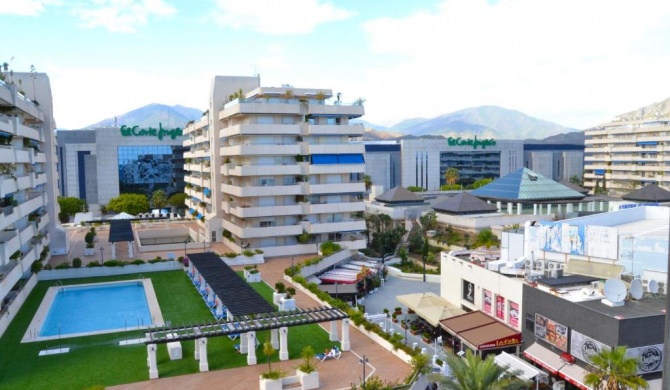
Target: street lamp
point(102, 249)
point(363, 360)
point(185, 242)
point(424, 255)
point(292, 270)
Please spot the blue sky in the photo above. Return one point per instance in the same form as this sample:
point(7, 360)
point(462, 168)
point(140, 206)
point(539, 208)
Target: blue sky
point(576, 63)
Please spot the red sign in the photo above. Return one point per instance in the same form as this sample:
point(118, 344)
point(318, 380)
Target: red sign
point(500, 307)
point(514, 314)
point(508, 341)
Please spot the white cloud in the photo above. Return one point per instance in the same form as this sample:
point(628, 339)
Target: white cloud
point(277, 17)
point(121, 15)
point(25, 7)
point(573, 62)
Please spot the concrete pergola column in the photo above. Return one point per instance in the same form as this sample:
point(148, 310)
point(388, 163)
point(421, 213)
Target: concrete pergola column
point(509, 208)
point(197, 350)
point(283, 343)
point(113, 250)
point(151, 361)
point(130, 249)
point(579, 207)
point(499, 206)
point(549, 208)
point(274, 338)
point(518, 208)
point(202, 345)
point(251, 346)
point(333, 331)
point(602, 206)
point(219, 307)
point(243, 343)
point(560, 208)
point(346, 344)
point(569, 208)
point(534, 208)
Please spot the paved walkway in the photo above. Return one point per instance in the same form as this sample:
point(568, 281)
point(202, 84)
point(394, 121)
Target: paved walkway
point(333, 374)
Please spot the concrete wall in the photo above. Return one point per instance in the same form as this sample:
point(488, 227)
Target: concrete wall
point(482, 221)
point(75, 273)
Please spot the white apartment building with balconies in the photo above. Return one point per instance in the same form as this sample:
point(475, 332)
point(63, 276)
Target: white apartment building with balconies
point(627, 154)
point(272, 168)
point(29, 228)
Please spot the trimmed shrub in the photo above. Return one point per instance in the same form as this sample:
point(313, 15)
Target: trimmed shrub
point(231, 255)
point(248, 253)
point(63, 266)
point(258, 252)
point(76, 262)
point(137, 261)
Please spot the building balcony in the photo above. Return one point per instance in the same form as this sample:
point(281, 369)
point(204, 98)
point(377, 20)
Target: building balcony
point(201, 139)
point(24, 181)
point(334, 227)
point(10, 273)
point(344, 130)
point(25, 131)
point(335, 168)
point(260, 170)
point(28, 107)
point(328, 208)
point(261, 150)
point(189, 154)
point(260, 232)
point(258, 107)
point(244, 211)
point(7, 97)
point(9, 244)
point(249, 191)
point(333, 148)
point(31, 205)
point(260, 129)
point(23, 155)
point(7, 185)
point(350, 111)
point(6, 124)
point(8, 216)
point(38, 157)
point(335, 188)
point(43, 222)
point(27, 233)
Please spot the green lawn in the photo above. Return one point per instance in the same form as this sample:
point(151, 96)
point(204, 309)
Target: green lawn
point(99, 360)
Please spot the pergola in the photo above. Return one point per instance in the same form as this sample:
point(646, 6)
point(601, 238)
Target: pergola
point(241, 310)
point(121, 230)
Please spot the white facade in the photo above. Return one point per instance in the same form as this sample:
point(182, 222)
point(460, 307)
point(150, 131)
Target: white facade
point(262, 171)
point(29, 217)
point(89, 161)
point(493, 293)
point(627, 154)
point(423, 164)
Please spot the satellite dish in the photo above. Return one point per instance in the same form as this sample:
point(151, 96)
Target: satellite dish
point(653, 286)
point(615, 292)
point(636, 291)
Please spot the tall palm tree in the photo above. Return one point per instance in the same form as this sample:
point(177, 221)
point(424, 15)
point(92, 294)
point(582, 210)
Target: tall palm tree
point(474, 373)
point(613, 370)
point(368, 182)
point(451, 176)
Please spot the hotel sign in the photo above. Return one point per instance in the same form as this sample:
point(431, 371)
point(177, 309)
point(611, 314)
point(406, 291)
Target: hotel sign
point(474, 142)
point(159, 132)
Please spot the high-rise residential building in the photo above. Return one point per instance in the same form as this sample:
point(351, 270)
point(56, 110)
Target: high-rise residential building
point(626, 154)
point(29, 228)
point(272, 168)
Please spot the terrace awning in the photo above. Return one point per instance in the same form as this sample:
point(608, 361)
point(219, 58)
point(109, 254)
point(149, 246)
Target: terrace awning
point(421, 300)
point(481, 332)
point(434, 314)
point(546, 358)
point(519, 367)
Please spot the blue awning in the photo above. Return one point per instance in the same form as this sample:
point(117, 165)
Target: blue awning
point(321, 159)
point(191, 210)
point(199, 216)
point(350, 159)
point(207, 191)
point(598, 171)
point(647, 143)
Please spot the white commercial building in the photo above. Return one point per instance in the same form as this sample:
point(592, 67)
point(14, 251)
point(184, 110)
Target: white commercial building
point(272, 168)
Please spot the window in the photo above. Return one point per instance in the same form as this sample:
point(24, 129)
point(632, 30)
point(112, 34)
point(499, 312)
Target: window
point(287, 120)
point(268, 223)
point(264, 119)
point(266, 181)
point(289, 180)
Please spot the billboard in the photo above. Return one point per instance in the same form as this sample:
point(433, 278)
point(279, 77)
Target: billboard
point(650, 358)
point(602, 241)
point(583, 347)
point(514, 314)
point(562, 238)
point(552, 332)
point(500, 307)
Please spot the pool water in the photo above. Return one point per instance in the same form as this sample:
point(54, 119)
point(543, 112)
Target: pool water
point(94, 308)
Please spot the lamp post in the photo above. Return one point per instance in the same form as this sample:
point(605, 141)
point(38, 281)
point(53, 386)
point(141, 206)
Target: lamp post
point(424, 255)
point(292, 270)
point(185, 242)
point(336, 294)
point(364, 361)
point(102, 249)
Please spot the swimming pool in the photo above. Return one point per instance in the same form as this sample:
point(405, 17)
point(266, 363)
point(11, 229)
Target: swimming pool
point(95, 308)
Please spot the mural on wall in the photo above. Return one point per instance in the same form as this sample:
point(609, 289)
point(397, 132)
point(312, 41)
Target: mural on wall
point(583, 347)
point(552, 332)
point(602, 241)
point(562, 237)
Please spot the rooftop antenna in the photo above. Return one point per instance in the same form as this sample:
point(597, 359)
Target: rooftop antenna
point(636, 291)
point(615, 292)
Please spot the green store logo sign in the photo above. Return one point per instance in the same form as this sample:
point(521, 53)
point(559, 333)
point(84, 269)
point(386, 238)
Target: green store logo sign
point(474, 142)
point(160, 132)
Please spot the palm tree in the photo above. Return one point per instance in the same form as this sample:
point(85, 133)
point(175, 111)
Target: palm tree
point(474, 373)
point(451, 176)
point(368, 182)
point(485, 238)
point(613, 370)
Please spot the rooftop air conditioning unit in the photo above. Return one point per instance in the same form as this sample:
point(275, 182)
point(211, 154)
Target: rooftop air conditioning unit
point(556, 273)
point(548, 273)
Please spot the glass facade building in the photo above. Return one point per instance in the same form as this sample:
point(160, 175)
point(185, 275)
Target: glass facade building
point(147, 168)
point(471, 165)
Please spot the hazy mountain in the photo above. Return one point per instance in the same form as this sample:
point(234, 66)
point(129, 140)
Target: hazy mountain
point(153, 114)
point(650, 111)
point(369, 125)
point(407, 123)
point(575, 137)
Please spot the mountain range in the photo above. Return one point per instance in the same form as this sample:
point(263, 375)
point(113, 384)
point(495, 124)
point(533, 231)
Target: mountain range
point(151, 115)
point(484, 122)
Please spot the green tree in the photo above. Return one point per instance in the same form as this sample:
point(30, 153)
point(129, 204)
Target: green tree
point(158, 199)
point(178, 200)
point(368, 182)
point(70, 206)
point(415, 189)
point(129, 203)
point(574, 179)
point(451, 176)
point(613, 370)
point(429, 221)
point(485, 238)
point(479, 183)
point(474, 373)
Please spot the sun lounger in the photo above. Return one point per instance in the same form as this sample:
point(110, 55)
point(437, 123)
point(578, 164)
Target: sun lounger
point(334, 353)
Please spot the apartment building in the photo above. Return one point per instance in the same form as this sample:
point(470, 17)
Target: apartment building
point(29, 229)
point(627, 153)
point(272, 168)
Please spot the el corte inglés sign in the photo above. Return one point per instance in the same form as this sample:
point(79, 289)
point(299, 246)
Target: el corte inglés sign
point(159, 132)
point(474, 142)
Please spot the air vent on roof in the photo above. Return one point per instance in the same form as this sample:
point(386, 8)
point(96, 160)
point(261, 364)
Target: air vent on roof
point(532, 177)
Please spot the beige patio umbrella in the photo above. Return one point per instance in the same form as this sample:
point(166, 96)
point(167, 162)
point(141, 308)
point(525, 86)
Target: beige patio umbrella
point(433, 315)
point(419, 300)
